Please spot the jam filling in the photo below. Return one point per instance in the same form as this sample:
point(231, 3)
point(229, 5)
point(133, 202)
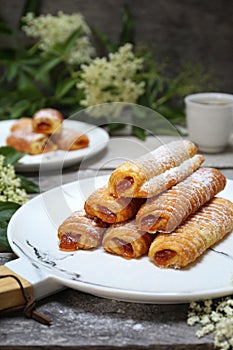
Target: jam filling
point(43, 126)
point(163, 256)
point(69, 241)
point(107, 214)
point(126, 249)
point(124, 184)
point(148, 222)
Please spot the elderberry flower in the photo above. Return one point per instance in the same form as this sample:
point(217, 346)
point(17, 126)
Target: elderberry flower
point(10, 187)
point(214, 317)
point(52, 30)
point(111, 80)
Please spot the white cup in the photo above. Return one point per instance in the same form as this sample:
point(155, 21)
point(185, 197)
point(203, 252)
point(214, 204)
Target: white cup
point(209, 120)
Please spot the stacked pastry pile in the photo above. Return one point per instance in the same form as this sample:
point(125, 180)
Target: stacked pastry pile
point(44, 132)
point(162, 204)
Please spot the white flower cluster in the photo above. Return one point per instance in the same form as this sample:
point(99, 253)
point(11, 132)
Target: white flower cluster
point(216, 317)
point(52, 30)
point(10, 189)
point(112, 80)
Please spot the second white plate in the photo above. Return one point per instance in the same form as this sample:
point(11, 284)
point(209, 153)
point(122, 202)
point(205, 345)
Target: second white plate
point(98, 137)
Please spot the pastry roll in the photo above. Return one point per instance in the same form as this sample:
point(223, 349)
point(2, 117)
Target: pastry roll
point(70, 140)
point(126, 240)
point(199, 232)
point(166, 211)
point(170, 177)
point(129, 177)
point(47, 121)
point(30, 142)
point(111, 209)
point(80, 231)
point(23, 124)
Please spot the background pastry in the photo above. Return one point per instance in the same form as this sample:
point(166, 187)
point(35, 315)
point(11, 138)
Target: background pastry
point(70, 140)
point(199, 232)
point(31, 143)
point(47, 121)
point(23, 124)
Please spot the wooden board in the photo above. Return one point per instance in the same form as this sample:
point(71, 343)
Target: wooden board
point(10, 292)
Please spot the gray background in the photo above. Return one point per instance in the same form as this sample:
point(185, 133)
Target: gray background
point(200, 31)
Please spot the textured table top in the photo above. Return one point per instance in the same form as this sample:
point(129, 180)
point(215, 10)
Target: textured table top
point(83, 321)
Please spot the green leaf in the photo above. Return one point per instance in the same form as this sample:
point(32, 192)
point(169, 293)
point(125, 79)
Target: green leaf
point(104, 41)
point(115, 126)
point(127, 32)
point(11, 155)
point(71, 40)
point(63, 87)
point(45, 67)
point(12, 70)
point(4, 245)
point(7, 209)
point(28, 185)
point(139, 132)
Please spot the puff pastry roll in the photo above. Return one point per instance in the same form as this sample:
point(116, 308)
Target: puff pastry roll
point(80, 231)
point(23, 124)
point(170, 177)
point(202, 230)
point(47, 121)
point(126, 240)
point(129, 177)
point(70, 140)
point(111, 209)
point(165, 212)
point(30, 143)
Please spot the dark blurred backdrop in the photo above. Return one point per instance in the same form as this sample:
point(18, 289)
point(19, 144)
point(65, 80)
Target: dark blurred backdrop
point(200, 31)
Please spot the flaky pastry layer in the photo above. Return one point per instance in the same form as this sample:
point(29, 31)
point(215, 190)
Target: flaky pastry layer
point(191, 239)
point(111, 209)
point(80, 231)
point(128, 178)
point(126, 240)
point(166, 211)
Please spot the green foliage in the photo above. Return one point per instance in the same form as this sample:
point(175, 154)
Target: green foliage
point(32, 80)
point(11, 156)
point(7, 209)
point(28, 185)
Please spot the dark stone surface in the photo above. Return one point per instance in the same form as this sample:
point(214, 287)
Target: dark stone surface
point(83, 321)
point(199, 31)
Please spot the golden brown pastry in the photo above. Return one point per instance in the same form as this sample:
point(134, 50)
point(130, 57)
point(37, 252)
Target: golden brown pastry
point(199, 232)
point(166, 211)
point(31, 143)
point(170, 177)
point(111, 209)
point(23, 124)
point(128, 178)
point(70, 140)
point(80, 231)
point(47, 121)
point(126, 240)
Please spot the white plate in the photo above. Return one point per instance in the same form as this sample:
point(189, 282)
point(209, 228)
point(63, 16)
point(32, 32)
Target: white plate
point(32, 233)
point(54, 160)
